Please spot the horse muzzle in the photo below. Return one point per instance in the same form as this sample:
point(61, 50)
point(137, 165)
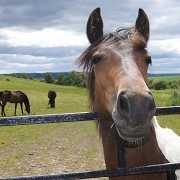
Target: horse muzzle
point(132, 115)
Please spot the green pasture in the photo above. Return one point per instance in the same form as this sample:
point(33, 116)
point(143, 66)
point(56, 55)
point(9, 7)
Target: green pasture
point(56, 147)
point(69, 99)
point(172, 78)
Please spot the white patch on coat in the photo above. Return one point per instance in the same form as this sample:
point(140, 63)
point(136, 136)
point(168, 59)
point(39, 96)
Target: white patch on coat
point(169, 143)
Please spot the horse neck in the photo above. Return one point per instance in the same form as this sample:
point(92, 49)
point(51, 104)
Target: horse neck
point(147, 154)
point(26, 102)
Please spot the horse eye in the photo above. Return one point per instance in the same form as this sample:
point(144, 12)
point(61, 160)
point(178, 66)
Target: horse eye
point(95, 60)
point(148, 61)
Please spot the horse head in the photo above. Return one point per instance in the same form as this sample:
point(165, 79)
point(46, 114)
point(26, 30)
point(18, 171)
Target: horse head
point(26, 103)
point(27, 108)
point(117, 65)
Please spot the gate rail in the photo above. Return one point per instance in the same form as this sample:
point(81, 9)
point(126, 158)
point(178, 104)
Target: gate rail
point(170, 168)
point(70, 117)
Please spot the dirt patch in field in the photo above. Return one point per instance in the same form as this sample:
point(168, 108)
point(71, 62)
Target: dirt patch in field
point(67, 148)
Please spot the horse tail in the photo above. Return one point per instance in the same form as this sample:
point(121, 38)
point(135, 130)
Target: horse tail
point(1, 92)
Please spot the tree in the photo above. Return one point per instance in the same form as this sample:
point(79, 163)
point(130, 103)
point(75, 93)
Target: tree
point(48, 77)
point(60, 79)
point(150, 84)
point(67, 81)
point(77, 78)
point(74, 76)
point(160, 85)
point(23, 75)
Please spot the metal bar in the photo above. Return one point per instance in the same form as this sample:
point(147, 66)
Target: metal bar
point(171, 175)
point(103, 173)
point(167, 110)
point(70, 117)
point(49, 118)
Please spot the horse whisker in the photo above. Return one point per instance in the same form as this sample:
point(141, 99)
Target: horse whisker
point(112, 125)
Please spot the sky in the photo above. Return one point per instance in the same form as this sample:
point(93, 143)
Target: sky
point(38, 36)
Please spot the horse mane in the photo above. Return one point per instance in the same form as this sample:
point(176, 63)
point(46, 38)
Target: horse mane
point(85, 59)
point(26, 100)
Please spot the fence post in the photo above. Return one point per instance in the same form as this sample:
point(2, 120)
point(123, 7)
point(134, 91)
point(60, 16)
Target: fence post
point(171, 175)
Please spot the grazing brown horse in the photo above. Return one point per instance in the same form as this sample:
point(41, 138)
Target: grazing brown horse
point(14, 97)
point(52, 96)
point(116, 64)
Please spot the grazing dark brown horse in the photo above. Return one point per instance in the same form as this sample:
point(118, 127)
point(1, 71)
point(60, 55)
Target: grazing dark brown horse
point(52, 96)
point(116, 66)
point(14, 97)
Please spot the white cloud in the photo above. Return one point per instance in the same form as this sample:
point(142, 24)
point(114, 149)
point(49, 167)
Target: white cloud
point(165, 65)
point(40, 37)
point(169, 45)
point(48, 37)
point(28, 64)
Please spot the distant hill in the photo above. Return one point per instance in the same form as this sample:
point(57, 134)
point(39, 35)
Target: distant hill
point(55, 74)
point(41, 75)
point(38, 75)
point(159, 75)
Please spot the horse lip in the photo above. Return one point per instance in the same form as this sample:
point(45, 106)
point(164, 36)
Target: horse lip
point(131, 136)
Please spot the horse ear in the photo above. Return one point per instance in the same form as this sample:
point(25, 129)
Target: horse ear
point(142, 24)
point(94, 28)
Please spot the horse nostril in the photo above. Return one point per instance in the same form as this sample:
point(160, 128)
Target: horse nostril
point(150, 93)
point(122, 102)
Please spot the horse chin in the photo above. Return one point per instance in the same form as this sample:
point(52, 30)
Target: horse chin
point(132, 139)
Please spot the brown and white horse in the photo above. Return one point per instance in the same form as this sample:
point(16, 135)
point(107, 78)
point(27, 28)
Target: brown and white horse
point(116, 66)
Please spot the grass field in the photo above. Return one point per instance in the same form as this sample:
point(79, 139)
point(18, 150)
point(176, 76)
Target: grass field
point(61, 147)
point(165, 78)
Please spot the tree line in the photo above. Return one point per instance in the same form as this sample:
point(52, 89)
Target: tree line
point(163, 84)
point(73, 78)
point(174, 100)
